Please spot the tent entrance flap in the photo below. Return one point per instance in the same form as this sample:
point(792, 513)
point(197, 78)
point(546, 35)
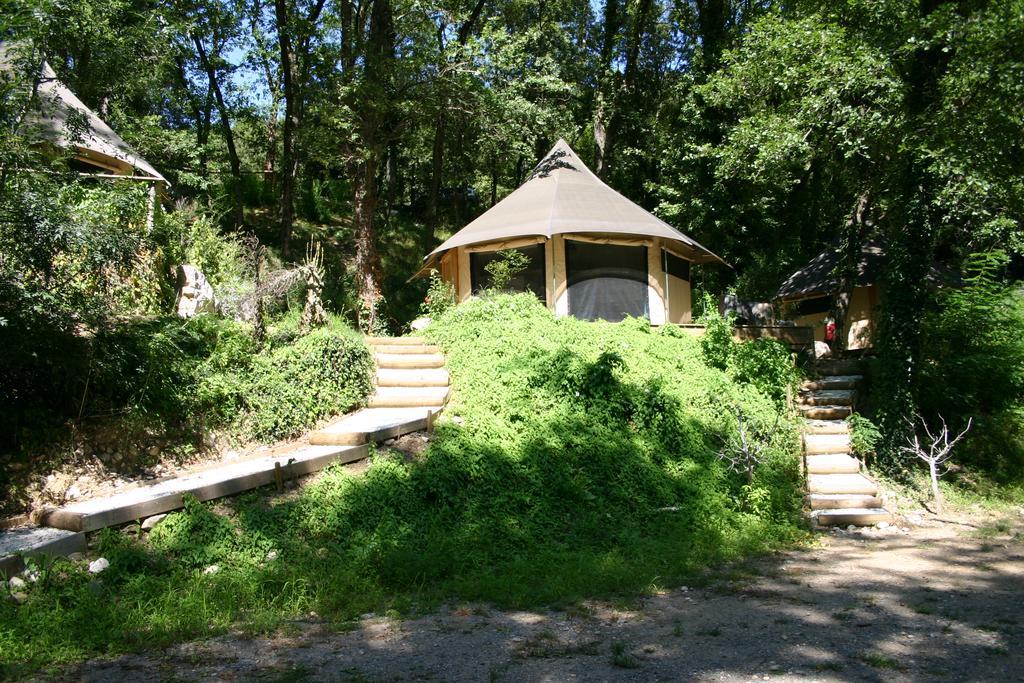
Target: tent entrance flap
point(530, 279)
point(606, 281)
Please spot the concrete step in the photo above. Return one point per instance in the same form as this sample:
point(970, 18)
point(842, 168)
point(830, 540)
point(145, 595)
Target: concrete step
point(372, 425)
point(817, 444)
point(399, 377)
point(215, 481)
point(840, 366)
point(832, 501)
point(832, 382)
point(406, 348)
point(826, 412)
point(833, 463)
point(828, 397)
point(418, 361)
point(396, 341)
point(841, 483)
point(826, 427)
point(408, 397)
point(855, 516)
point(30, 541)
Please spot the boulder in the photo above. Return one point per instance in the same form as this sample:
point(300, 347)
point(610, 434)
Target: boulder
point(151, 522)
point(822, 350)
point(97, 566)
point(195, 294)
point(420, 324)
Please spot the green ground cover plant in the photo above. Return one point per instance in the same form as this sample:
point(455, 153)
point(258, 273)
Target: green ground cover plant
point(174, 382)
point(576, 460)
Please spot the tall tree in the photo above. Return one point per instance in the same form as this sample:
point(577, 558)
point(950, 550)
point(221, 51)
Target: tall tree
point(297, 27)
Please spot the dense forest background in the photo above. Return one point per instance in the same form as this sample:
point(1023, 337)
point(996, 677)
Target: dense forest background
point(766, 130)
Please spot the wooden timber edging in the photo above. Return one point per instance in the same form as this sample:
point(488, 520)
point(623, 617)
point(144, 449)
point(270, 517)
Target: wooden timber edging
point(144, 501)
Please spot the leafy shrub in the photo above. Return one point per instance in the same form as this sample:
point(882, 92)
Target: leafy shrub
point(506, 267)
point(716, 343)
point(864, 436)
point(440, 296)
point(766, 364)
point(321, 374)
point(973, 365)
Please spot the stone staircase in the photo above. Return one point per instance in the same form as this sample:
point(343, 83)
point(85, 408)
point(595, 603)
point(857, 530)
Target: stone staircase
point(840, 494)
point(411, 387)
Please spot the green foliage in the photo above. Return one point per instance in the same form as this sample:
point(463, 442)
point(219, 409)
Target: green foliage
point(973, 365)
point(506, 266)
point(583, 466)
point(766, 364)
point(440, 296)
point(864, 436)
point(291, 388)
point(716, 343)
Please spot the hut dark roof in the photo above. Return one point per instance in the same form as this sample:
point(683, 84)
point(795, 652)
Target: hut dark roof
point(818, 278)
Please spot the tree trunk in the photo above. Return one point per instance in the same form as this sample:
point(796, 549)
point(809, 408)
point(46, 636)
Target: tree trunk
point(229, 137)
point(289, 160)
point(440, 130)
point(712, 26)
point(367, 271)
point(936, 493)
point(852, 246)
point(436, 169)
point(909, 250)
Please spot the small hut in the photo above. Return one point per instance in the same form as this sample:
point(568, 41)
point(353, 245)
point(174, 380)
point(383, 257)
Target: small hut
point(807, 296)
point(591, 253)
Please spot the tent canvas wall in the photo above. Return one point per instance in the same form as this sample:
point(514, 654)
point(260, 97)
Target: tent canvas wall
point(593, 253)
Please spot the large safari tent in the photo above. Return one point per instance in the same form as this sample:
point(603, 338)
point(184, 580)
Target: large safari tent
point(592, 253)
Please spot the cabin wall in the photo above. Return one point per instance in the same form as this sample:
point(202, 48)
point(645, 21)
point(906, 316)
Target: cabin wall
point(680, 302)
point(861, 319)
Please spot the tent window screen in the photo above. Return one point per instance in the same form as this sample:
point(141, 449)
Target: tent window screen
point(676, 266)
point(530, 279)
point(606, 281)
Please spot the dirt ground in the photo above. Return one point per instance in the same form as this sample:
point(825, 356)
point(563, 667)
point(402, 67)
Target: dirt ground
point(942, 601)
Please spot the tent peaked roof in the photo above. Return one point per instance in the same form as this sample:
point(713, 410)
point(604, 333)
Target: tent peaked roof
point(59, 106)
point(63, 120)
point(562, 196)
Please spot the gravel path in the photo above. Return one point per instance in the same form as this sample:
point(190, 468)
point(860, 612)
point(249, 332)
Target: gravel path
point(942, 602)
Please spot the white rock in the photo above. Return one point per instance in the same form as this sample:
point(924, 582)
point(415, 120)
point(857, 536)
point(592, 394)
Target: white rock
point(151, 522)
point(97, 566)
point(195, 294)
point(271, 556)
point(212, 569)
point(31, 575)
point(822, 350)
point(73, 492)
point(16, 583)
point(884, 525)
point(420, 323)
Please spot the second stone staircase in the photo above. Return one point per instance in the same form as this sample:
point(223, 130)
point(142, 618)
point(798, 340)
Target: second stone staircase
point(840, 493)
